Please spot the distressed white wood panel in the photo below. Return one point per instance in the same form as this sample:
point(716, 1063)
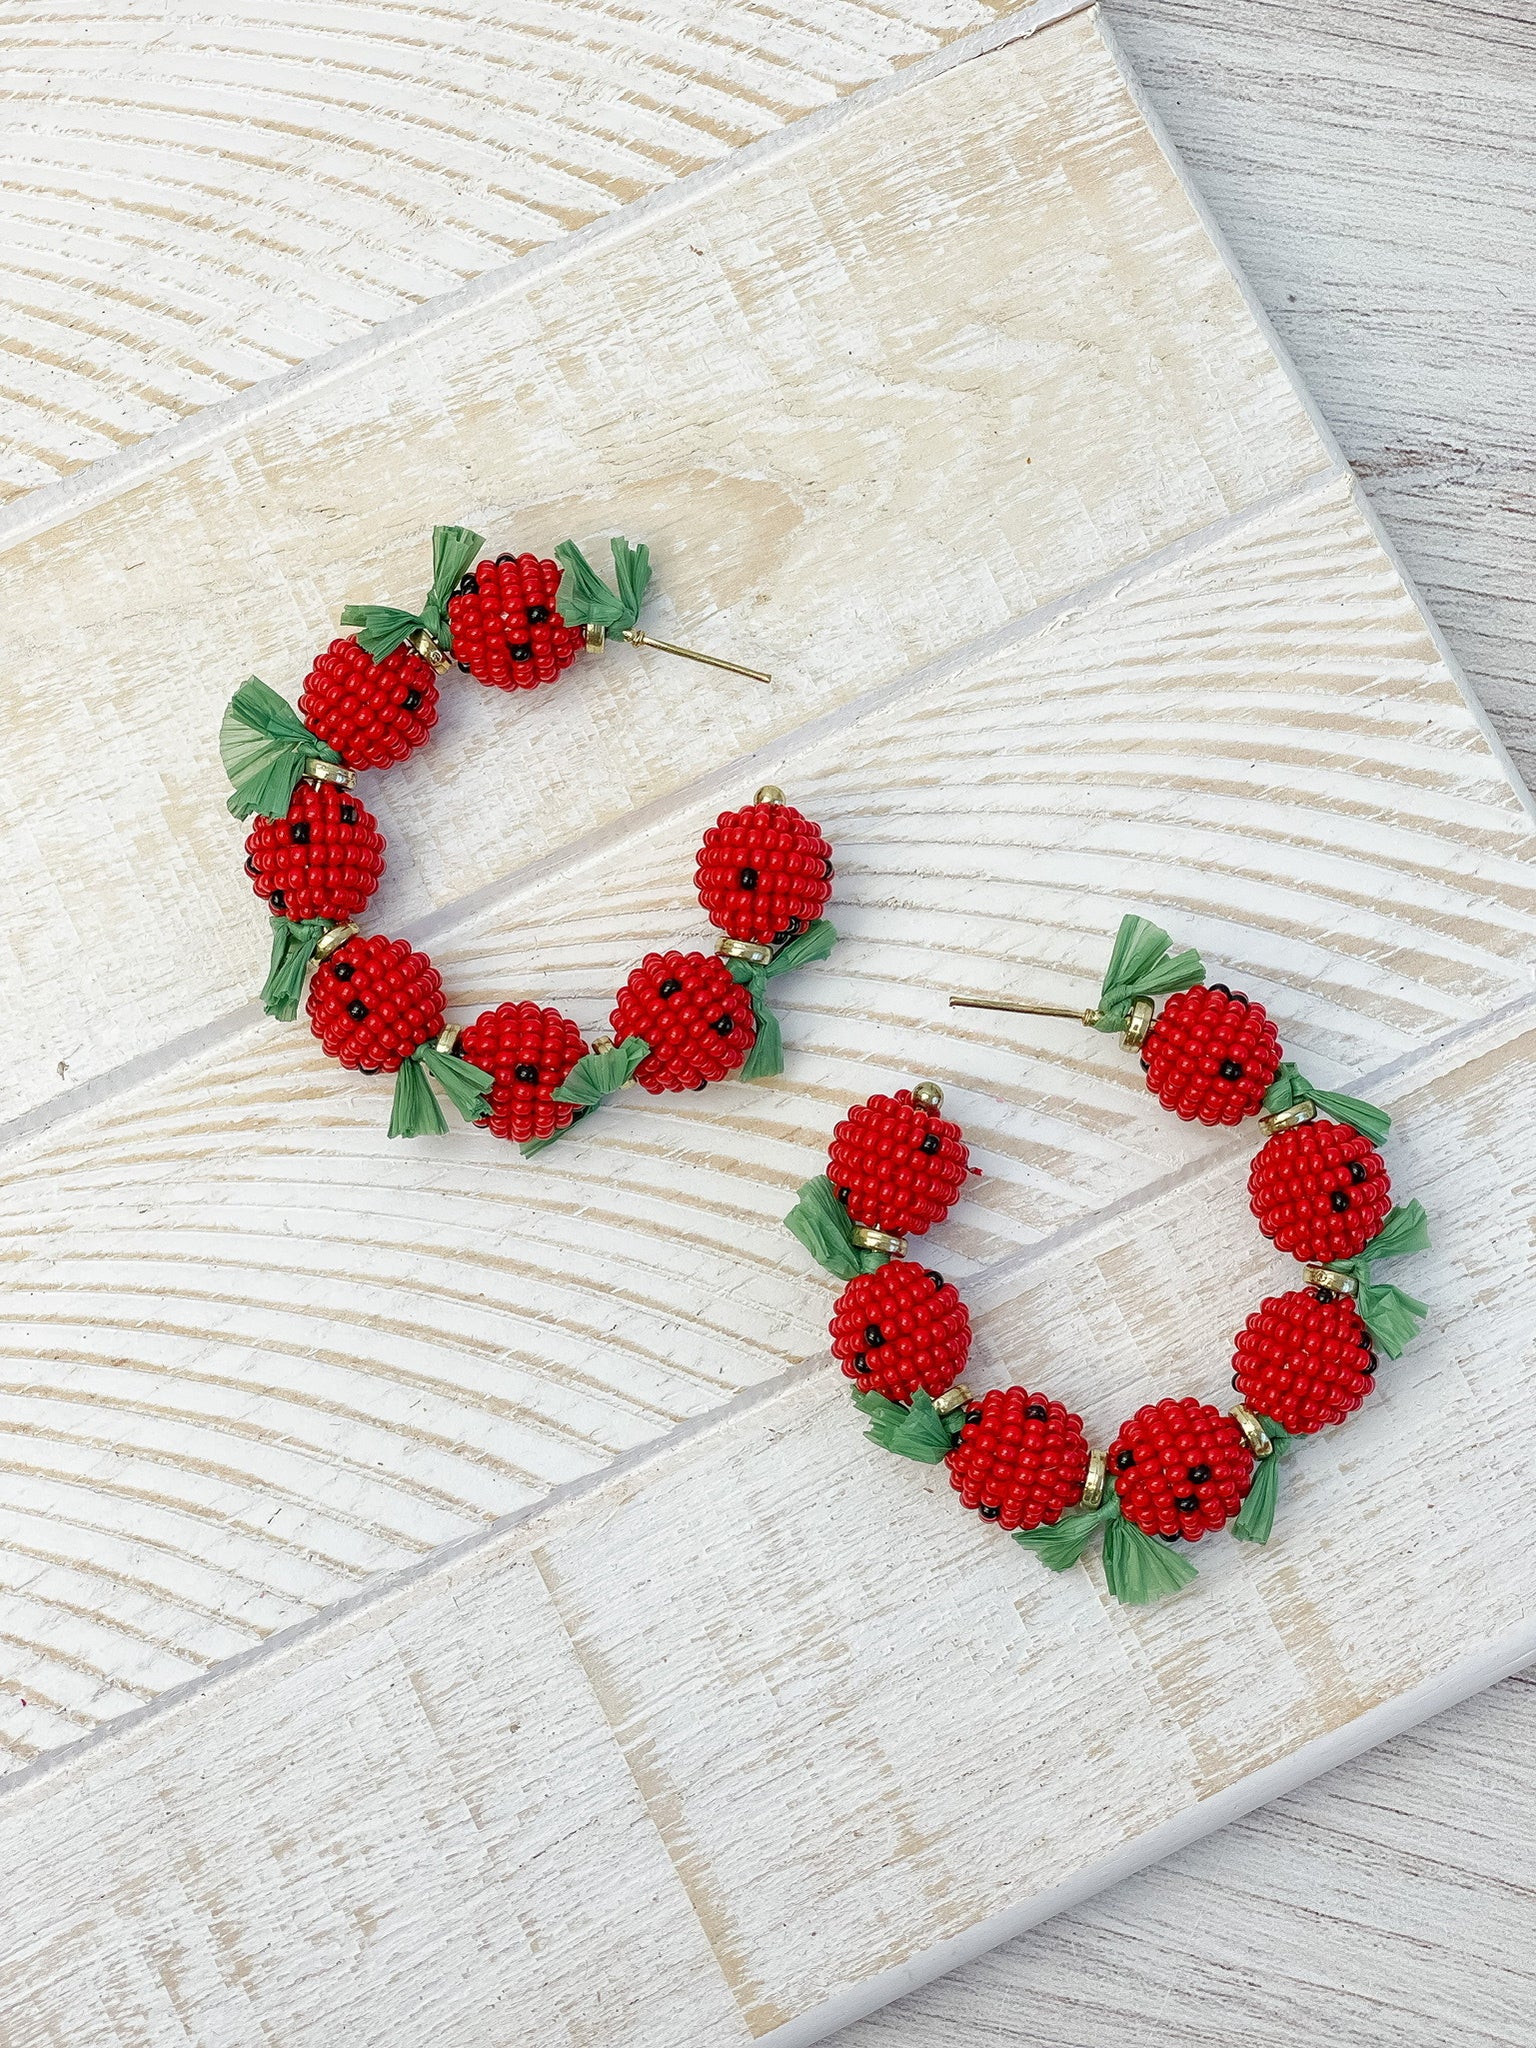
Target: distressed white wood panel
point(867, 402)
point(255, 1353)
point(791, 1640)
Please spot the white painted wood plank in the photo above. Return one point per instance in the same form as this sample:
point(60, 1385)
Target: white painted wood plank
point(903, 396)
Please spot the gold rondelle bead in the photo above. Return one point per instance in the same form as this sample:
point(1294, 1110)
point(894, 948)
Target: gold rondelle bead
point(430, 650)
point(928, 1095)
point(448, 1039)
point(871, 1240)
point(329, 771)
point(1093, 1485)
point(1137, 1024)
point(956, 1397)
point(745, 949)
point(1288, 1119)
point(597, 639)
point(334, 940)
point(770, 793)
point(1253, 1431)
point(1335, 1283)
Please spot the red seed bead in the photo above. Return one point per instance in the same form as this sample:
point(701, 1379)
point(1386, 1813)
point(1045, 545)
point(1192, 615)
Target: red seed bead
point(695, 1018)
point(900, 1328)
point(897, 1166)
point(373, 1002)
point(1211, 1055)
point(1320, 1191)
point(506, 630)
point(1021, 1460)
point(1305, 1359)
point(323, 859)
point(763, 873)
point(1180, 1468)
point(371, 712)
point(529, 1051)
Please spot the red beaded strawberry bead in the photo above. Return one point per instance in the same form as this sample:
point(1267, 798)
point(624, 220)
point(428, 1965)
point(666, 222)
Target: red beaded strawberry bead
point(373, 1002)
point(1021, 1460)
point(764, 873)
point(897, 1166)
point(323, 859)
point(901, 1328)
point(1320, 1191)
point(507, 629)
point(372, 712)
point(1180, 1468)
point(528, 1051)
point(1211, 1055)
point(1304, 1360)
point(696, 1019)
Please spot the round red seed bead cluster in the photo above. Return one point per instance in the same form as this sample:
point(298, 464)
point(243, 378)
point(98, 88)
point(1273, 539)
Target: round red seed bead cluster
point(896, 1165)
point(506, 630)
point(372, 712)
point(373, 1002)
point(1211, 1055)
point(323, 859)
point(1021, 1460)
point(1180, 1468)
point(694, 1016)
point(763, 873)
point(529, 1051)
point(1305, 1359)
point(900, 1328)
point(1320, 1191)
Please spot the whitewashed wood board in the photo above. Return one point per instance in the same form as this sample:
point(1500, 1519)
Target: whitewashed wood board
point(1227, 707)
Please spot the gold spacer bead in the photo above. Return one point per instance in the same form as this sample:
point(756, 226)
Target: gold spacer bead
point(1094, 1484)
point(956, 1397)
point(770, 793)
point(745, 949)
point(1137, 1024)
point(870, 1240)
point(329, 771)
point(597, 639)
point(334, 940)
point(1287, 1119)
point(1253, 1432)
point(928, 1095)
point(436, 656)
point(448, 1038)
point(1335, 1283)
point(601, 1045)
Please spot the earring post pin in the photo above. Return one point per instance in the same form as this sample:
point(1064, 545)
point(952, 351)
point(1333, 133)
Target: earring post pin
point(1022, 1009)
point(638, 639)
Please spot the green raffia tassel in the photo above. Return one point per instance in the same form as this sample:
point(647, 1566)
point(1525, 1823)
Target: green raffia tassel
point(1257, 1517)
point(264, 745)
point(1142, 964)
point(919, 1432)
point(584, 599)
point(596, 1075)
point(416, 1112)
point(1391, 1316)
point(1291, 1086)
point(1139, 1568)
point(825, 1228)
point(293, 947)
point(1061, 1544)
point(767, 1055)
point(381, 628)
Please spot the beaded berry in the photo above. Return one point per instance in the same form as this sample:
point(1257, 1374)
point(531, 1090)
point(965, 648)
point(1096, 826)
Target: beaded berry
point(528, 1051)
point(900, 1328)
point(507, 630)
point(1304, 1360)
point(1021, 1460)
point(323, 859)
point(372, 712)
point(373, 1002)
point(763, 873)
point(692, 1014)
point(897, 1165)
point(1211, 1055)
point(1180, 1468)
point(1320, 1191)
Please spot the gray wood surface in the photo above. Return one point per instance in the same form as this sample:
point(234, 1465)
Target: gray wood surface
point(1373, 166)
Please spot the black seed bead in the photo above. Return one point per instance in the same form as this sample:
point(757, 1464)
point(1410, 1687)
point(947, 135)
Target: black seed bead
point(412, 700)
point(1338, 1201)
point(1321, 1293)
point(343, 970)
point(724, 1025)
point(1357, 1171)
point(526, 1072)
point(936, 1278)
point(521, 652)
point(537, 614)
point(1198, 1474)
point(989, 1514)
point(1036, 1413)
point(505, 558)
point(931, 1143)
point(278, 901)
point(1187, 1504)
point(874, 1336)
point(1124, 1460)
point(250, 866)
point(973, 1414)
point(746, 878)
point(1230, 1070)
point(298, 832)
point(843, 1194)
point(357, 1009)
point(1176, 1537)
point(861, 1363)
point(699, 1087)
point(669, 987)
point(466, 586)
point(1218, 988)
point(349, 811)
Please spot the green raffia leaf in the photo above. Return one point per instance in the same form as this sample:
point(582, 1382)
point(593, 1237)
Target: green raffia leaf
point(1139, 1568)
point(1291, 1086)
point(767, 1055)
point(597, 1074)
point(415, 1112)
point(293, 947)
point(465, 1086)
point(584, 599)
point(919, 1432)
point(264, 745)
point(1257, 1516)
point(1141, 964)
point(825, 1228)
point(1061, 1544)
point(1391, 1315)
point(532, 1147)
point(381, 628)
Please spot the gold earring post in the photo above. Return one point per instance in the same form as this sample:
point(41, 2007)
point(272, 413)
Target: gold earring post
point(638, 639)
point(1088, 1017)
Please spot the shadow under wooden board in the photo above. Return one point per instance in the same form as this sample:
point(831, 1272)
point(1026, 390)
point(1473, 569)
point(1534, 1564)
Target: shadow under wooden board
point(624, 1687)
